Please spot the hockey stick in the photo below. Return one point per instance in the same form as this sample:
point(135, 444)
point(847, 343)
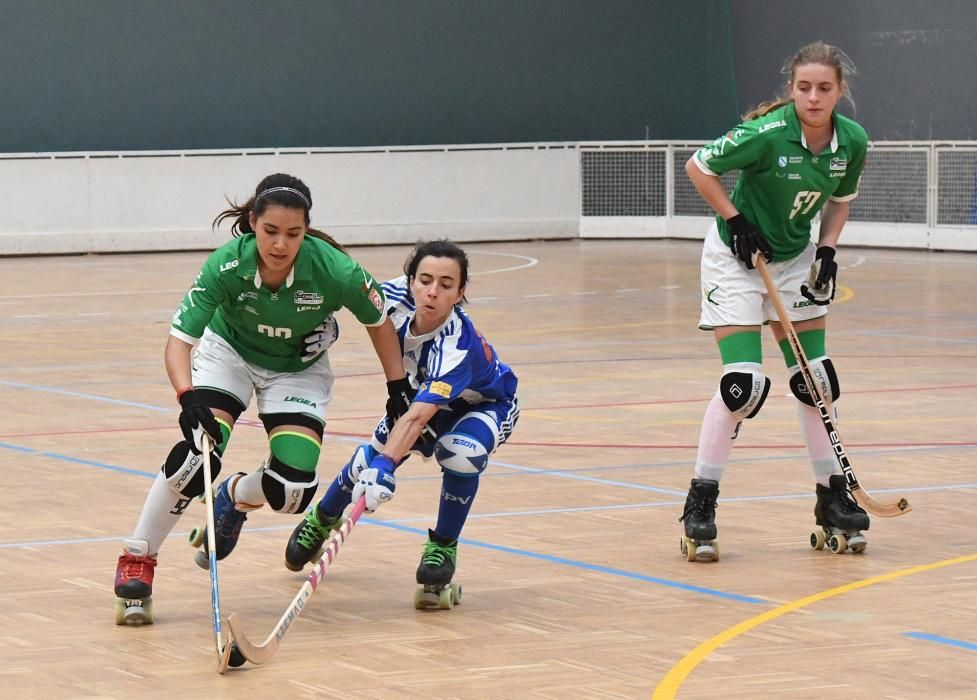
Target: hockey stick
point(261, 653)
point(223, 650)
point(885, 510)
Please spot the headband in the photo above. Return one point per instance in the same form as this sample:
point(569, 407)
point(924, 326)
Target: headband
point(270, 190)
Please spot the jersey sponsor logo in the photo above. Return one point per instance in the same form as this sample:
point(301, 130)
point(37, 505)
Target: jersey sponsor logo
point(412, 355)
point(782, 161)
point(251, 309)
point(838, 164)
point(367, 281)
point(308, 298)
point(229, 265)
point(190, 294)
point(440, 388)
point(772, 125)
point(301, 400)
point(793, 176)
point(247, 295)
point(374, 297)
point(837, 174)
point(300, 309)
point(451, 497)
point(795, 160)
point(803, 304)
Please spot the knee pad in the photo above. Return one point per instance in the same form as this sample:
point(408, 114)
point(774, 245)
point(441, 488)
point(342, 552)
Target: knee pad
point(743, 388)
point(183, 470)
point(823, 372)
point(461, 454)
point(288, 490)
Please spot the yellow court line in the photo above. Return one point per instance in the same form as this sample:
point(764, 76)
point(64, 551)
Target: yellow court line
point(674, 678)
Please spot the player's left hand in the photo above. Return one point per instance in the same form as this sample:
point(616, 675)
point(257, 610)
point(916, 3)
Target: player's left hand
point(320, 339)
point(820, 285)
point(399, 395)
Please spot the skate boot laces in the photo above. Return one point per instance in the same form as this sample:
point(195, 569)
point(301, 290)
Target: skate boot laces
point(132, 566)
point(436, 553)
point(314, 532)
point(703, 507)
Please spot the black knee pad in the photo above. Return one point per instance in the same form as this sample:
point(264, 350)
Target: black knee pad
point(288, 490)
point(744, 392)
point(183, 470)
point(823, 372)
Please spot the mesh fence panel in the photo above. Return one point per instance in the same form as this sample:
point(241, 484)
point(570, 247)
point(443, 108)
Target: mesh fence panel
point(687, 200)
point(623, 183)
point(893, 188)
point(956, 201)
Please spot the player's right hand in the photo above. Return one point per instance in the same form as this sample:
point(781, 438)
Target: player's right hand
point(196, 418)
point(399, 395)
point(376, 483)
point(746, 241)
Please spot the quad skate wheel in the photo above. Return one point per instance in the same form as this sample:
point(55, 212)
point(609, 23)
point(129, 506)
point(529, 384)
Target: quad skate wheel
point(838, 544)
point(133, 612)
point(196, 537)
point(817, 539)
point(424, 599)
point(688, 548)
point(445, 598)
point(857, 543)
point(715, 549)
point(202, 559)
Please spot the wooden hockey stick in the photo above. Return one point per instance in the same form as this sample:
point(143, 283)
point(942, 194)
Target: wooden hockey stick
point(885, 510)
point(261, 653)
point(223, 650)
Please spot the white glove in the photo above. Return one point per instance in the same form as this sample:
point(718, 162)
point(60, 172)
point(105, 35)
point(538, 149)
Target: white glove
point(320, 339)
point(376, 483)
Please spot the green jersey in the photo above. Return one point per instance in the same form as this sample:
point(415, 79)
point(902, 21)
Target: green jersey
point(267, 327)
point(783, 185)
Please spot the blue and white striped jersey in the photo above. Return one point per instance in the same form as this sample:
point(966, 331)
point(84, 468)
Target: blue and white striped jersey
point(451, 362)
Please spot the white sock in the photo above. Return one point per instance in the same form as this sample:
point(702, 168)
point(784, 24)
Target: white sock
point(822, 454)
point(719, 428)
point(248, 493)
point(162, 509)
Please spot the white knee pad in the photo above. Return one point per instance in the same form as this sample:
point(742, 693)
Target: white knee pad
point(461, 454)
point(823, 372)
point(743, 388)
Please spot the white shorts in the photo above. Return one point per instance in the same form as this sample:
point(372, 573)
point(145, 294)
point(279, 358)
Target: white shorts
point(218, 366)
point(735, 296)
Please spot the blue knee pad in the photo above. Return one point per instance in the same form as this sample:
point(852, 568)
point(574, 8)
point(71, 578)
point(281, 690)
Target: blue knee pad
point(464, 451)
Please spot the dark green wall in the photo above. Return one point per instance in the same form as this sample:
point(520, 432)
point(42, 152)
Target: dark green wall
point(141, 74)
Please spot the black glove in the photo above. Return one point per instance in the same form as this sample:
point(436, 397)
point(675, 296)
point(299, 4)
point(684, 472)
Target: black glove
point(197, 418)
point(820, 285)
point(745, 240)
point(399, 395)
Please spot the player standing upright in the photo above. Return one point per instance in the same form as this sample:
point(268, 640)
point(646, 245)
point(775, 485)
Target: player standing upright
point(465, 407)
point(797, 156)
point(257, 309)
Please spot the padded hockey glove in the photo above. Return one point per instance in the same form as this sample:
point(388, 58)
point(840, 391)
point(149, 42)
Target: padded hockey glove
point(197, 418)
point(746, 241)
point(820, 285)
point(376, 483)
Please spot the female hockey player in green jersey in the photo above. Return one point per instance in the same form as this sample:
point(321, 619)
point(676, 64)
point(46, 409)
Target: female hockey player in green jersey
point(797, 156)
point(257, 309)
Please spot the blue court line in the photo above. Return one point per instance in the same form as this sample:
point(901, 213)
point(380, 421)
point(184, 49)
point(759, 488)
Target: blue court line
point(941, 640)
point(584, 565)
point(80, 395)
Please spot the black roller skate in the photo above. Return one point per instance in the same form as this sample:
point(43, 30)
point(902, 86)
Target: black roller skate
point(699, 542)
point(305, 544)
point(228, 521)
point(134, 585)
point(434, 574)
point(840, 517)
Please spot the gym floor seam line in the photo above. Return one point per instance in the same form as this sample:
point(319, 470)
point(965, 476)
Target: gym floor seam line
point(673, 680)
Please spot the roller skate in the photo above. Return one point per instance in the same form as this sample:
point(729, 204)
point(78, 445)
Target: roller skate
point(699, 542)
point(840, 517)
point(228, 521)
point(134, 585)
point(305, 544)
point(434, 574)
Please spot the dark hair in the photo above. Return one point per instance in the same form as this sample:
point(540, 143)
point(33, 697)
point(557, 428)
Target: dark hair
point(442, 248)
point(818, 53)
point(281, 189)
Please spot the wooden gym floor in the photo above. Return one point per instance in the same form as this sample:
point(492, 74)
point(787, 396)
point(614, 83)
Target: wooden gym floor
point(574, 586)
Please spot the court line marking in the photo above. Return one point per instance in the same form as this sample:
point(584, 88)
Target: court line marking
point(670, 684)
point(941, 640)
